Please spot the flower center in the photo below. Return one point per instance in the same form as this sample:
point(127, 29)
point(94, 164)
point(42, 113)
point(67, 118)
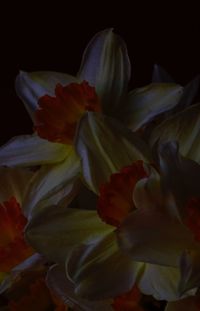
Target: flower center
point(116, 196)
point(57, 117)
point(13, 248)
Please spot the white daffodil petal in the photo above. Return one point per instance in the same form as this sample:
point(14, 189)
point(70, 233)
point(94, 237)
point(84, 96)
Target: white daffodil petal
point(31, 150)
point(52, 183)
point(31, 86)
point(184, 127)
point(147, 191)
point(161, 282)
point(100, 270)
point(31, 263)
point(143, 104)
point(58, 229)
point(106, 66)
point(186, 173)
point(49, 79)
point(190, 271)
point(28, 91)
point(64, 288)
point(14, 182)
point(105, 146)
point(147, 236)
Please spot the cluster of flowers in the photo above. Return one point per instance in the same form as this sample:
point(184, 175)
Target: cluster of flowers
point(100, 207)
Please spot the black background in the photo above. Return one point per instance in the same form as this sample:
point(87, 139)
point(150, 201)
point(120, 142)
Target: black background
point(54, 37)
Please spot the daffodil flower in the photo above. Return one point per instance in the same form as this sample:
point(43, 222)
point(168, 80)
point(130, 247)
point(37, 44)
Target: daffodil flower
point(105, 259)
point(162, 267)
point(153, 232)
point(56, 101)
point(135, 204)
point(55, 231)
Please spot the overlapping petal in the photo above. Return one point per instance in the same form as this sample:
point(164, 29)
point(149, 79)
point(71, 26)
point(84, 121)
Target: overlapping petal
point(33, 263)
point(31, 86)
point(185, 183)
point(143, 104)
point(190, 93)
point(58, 229)
point(138, 235)
point(103, 140)
point(64, 288)
point(184, 128)
point(106, 66)
point(100, 270)
point(189, 271)
point(160, 281)
point(31, 150)
point(51, 184)
point(14, 182)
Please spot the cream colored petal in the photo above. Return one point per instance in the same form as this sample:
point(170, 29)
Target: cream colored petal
point(51, 184)
point(143, 104)
point(56, 230)
point(14, 182)
point(64, 288)
point(105, 146)
point(160, 281)
point(183, 127)
point(180, 175)
point(154, 237)
point(100, 270)
point(31, 150)
point(106, 66)
point(189, 270)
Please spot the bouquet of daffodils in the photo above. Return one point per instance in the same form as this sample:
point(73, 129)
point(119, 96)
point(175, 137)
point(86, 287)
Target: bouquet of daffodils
point(100, 206)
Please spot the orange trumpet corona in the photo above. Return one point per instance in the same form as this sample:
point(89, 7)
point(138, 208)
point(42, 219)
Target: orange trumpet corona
point(57, 117)
point(116, 196)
